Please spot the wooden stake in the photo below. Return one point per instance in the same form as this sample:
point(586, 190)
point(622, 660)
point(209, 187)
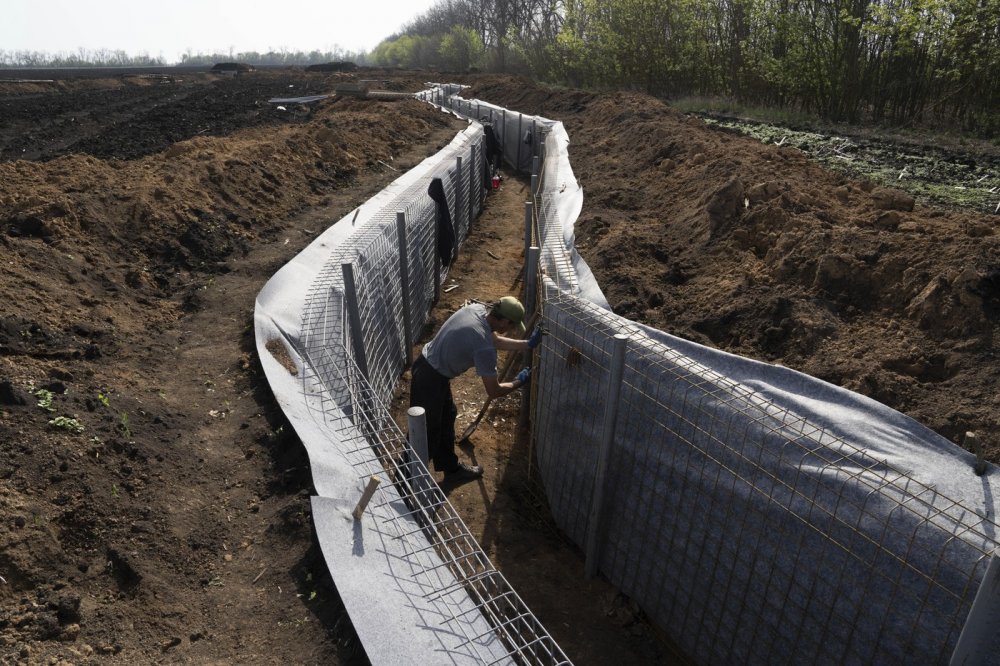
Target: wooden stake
point(366, 497)
point(972, 444)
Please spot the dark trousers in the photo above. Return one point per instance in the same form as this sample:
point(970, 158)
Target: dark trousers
point(432, 391)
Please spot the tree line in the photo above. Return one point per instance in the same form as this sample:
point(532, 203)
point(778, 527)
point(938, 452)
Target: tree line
point(897, 61)
point(118, 58)
point(79, 58)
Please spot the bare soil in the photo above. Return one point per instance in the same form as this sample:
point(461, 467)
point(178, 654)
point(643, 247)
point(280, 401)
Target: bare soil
point(139, 216)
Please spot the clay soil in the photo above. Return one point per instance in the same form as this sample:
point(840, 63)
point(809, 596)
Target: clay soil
point(154, 502)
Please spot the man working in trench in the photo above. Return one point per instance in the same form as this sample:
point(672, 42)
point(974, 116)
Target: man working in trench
point(469, 338)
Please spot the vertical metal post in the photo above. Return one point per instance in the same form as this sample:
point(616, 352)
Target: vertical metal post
point(530, 287)
point(458, 194)
point(503, 135)
point(531, 281)
point(595, 533)
point(979, 632)
point(520, 142)
point(437, 258)
point(528, 215)
point(480, 175)
point(404, 279)
point(354, 319)
point(534, 176)
point(472, 184)
point(416, 425)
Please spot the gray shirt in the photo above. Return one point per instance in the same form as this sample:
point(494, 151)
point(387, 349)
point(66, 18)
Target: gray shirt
point(464, 341)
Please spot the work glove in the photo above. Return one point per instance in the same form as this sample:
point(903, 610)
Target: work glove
point(535, 338)
point(524, 376)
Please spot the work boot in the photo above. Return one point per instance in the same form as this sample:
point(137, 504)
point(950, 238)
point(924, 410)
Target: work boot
point(463, 473)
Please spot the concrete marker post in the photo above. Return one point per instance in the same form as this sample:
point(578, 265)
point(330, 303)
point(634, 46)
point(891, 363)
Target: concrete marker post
point(404, 279)
point(595, 531)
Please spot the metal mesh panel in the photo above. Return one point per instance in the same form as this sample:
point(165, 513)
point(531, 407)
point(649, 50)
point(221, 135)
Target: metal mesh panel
point(374, 257)
point(411, 510)
point(421, 259)
point(555, 258)
point(746, 531)
point(510, 126)
point(354, 347)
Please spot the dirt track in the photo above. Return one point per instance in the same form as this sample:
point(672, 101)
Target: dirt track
point(175, 525)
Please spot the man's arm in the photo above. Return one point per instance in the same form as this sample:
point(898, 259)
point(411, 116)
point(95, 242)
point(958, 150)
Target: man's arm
point(509, 344)
point(495, 389)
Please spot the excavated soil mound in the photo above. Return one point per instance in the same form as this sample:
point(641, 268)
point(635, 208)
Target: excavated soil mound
point(751, 248)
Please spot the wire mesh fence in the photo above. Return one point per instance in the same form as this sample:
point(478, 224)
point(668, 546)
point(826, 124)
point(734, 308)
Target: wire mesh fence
point(435, 559)
point(374, 282)
point(747, 531)
point(361, 317)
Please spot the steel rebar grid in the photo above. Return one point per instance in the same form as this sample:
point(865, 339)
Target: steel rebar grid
point(372, 443)
point(718, 456)
point(352, 404)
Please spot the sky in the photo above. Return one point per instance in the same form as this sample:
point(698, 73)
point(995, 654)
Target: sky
point(170, 28)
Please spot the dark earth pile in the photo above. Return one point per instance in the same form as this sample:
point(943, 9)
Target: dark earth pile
point(752, 248)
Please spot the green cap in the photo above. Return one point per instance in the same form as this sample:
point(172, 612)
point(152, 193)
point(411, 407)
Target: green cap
point(511, 309)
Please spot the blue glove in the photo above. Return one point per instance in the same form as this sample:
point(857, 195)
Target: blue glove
point(524, 376)
point(535, 338)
